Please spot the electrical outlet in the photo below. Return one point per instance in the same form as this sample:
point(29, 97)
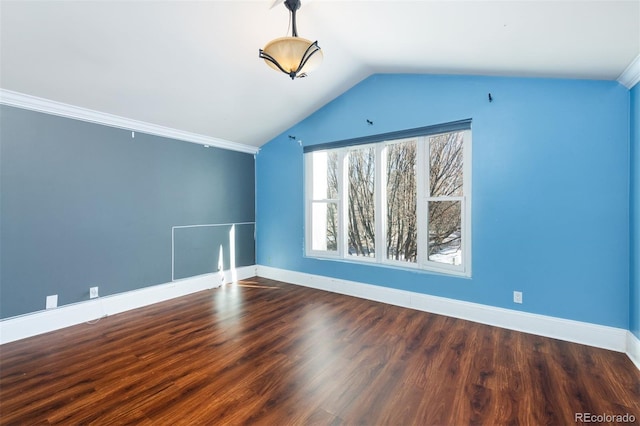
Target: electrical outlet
point(517, 297)
point(93, 292)
point(52, 301)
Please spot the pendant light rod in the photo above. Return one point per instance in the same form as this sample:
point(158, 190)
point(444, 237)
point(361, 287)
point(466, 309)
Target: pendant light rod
point(293, 6)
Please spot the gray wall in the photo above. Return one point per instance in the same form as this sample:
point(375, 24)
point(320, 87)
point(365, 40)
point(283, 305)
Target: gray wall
point(87, 205)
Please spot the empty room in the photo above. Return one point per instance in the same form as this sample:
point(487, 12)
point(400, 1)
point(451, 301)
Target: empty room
point(319, 212)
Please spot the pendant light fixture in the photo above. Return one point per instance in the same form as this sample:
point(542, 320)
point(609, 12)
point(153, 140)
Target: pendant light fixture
point(294, 56)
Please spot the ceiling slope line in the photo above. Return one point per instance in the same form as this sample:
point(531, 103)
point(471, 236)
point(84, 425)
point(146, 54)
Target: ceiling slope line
point(631, 75)
point(34, 103)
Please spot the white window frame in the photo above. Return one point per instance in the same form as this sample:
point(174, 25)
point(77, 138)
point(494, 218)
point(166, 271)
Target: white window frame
point(309, 202)
point(422, 185)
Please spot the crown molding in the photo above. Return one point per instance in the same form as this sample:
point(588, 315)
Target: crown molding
point(34, 103)
point(631, 76)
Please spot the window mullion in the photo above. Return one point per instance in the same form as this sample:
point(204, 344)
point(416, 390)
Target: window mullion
point(343, 189)
point(466, 211)
point(422, 185)
point(308, 169)
point(381, 202)
point(445, 198)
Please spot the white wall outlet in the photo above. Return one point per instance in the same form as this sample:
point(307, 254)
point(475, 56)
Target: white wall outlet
point(93, 292)
point(517, 297)
point(52, 301)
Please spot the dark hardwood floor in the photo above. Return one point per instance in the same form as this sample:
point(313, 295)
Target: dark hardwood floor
point(265, 352)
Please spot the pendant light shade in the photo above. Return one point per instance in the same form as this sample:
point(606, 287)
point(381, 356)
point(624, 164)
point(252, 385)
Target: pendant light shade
point(295, 56)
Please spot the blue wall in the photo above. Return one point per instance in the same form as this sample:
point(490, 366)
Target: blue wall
point(634, 290)
point(550, 189)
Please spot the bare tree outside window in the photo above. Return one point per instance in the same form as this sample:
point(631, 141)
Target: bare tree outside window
point(402, 230)
point(361, 207)
point(445, 181)
point(332, 213)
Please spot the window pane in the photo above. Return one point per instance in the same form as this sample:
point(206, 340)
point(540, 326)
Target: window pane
point(324, 224)
point(445, 164)
point(325, 175)
point(402, 231)
point(361, 208)
point(445, 232)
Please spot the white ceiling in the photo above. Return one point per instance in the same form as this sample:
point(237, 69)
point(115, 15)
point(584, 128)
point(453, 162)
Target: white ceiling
point(193, 65)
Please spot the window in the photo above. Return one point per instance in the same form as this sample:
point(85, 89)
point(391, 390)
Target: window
point(324, 204)
point(361, 205)
point(400, 199)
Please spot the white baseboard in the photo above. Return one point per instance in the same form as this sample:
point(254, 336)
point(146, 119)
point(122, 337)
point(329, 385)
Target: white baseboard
point(23, 326)
point(616, 339)
point(633, 348)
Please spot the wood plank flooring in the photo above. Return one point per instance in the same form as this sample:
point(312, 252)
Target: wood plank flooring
point(266, 352)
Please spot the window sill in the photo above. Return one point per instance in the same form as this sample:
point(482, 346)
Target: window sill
point(392, 265)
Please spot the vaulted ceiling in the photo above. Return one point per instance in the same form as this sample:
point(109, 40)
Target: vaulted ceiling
point(193, 65)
